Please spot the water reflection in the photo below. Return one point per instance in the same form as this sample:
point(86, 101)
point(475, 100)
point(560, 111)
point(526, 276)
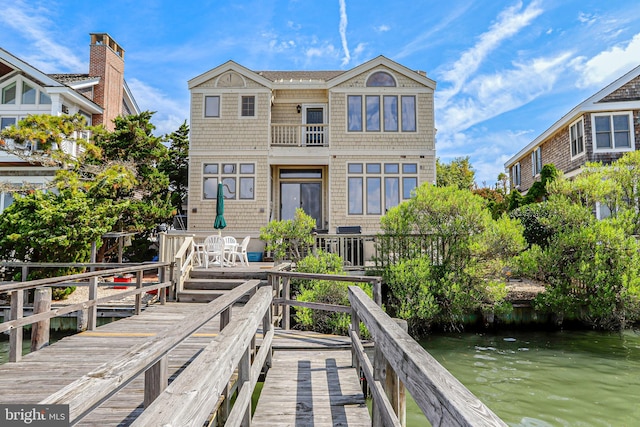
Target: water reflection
point(536, 379)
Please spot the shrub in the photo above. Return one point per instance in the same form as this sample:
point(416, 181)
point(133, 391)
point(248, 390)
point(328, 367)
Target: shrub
point(591, 269)
point(463, 277)
point(324, 291)
point(289, 238)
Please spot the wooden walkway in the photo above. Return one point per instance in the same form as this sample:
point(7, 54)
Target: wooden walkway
point(44, 372)
point(311, 388)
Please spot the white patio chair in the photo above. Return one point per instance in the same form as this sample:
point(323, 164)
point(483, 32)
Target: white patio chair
point(214, 250)
point(230, 246)
point(241, 252)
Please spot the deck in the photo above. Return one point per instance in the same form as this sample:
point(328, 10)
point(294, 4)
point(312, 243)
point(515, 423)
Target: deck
point(44, 372)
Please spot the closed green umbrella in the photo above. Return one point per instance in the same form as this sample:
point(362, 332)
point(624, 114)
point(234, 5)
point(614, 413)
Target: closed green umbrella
point(219, 222)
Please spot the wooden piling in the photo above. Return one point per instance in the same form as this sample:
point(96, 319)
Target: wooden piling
point(40, 330)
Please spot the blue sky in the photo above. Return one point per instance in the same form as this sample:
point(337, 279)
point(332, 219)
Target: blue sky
point(505, 70)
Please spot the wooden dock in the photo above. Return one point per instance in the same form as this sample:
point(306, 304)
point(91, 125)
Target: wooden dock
point(194, 364)
point(42, 373)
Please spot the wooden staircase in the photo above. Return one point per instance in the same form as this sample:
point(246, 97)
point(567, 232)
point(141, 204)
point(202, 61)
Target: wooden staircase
point(205, 285)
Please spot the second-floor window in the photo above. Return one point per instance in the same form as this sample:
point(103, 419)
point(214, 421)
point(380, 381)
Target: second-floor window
point(515, 175)
point(238, 180)
point(9, 94)
point(212, 106)
point(248, 107)
point(387, 113)
point(536, 161)
point(576, 135)
point(612, 132)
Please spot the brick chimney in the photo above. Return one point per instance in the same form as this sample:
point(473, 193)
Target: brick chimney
point(106, 60)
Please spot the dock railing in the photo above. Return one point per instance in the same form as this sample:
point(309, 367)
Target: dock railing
point(398, 362)
point(281, 283)
point(233, 348)
point(42, 310)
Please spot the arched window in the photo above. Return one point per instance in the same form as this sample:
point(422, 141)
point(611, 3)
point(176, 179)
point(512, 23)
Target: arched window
point(380, 78)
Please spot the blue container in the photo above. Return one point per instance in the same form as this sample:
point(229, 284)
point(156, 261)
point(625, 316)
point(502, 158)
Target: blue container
point(254, 256)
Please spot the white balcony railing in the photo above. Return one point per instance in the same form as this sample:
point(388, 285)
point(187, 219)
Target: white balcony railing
point(297, 135)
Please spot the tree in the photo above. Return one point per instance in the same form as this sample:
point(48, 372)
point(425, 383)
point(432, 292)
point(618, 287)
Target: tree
point(458, 173)
point(114, 175)
point(176, 166)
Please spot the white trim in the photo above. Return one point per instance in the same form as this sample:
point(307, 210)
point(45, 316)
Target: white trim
point(255, 106)
point(584, 145)
point(613, 149)
point(204, 106)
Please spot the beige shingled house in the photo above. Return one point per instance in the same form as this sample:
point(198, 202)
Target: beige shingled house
point(343, 145)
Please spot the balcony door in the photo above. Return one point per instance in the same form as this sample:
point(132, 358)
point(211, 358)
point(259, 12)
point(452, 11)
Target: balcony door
point(314, 129)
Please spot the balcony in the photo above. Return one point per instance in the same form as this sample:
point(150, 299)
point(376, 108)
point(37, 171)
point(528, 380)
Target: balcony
point(297, 135)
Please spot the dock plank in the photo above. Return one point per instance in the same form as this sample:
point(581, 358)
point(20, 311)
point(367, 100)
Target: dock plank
point(311, 387)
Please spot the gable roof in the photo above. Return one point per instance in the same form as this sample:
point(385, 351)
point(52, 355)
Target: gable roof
point(592, 104)
point(316, 79)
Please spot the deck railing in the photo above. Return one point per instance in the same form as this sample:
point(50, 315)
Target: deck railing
point(42, 310)
point(299, 135)
point(178, 404)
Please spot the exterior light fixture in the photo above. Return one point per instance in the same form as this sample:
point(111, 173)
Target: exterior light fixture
point(299, 108)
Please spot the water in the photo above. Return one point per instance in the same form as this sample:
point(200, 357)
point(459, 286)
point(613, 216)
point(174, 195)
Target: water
point(535, 379)
point(26, 343)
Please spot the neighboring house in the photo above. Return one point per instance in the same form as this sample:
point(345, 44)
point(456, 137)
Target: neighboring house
point(343, 145)
point(600, 129)
point(100, 96)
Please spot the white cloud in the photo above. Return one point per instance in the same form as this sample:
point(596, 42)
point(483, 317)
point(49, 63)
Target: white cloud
point(170, 114)
point(587, 18)
point(609, 64)
point(382, 28)
point(49, 56)
point(510, 21)
point(423, 40)
point(343, 32)
point(487, 96)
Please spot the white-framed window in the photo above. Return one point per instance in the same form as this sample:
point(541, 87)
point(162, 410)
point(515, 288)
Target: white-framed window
point(9, 93)
point(247, 106)
point(387, 113)
point(576, 137)
point(613, 131)
point(374, 187)
point(7, 121)
point(238, 180)
point(536, 161)
point(28, 93)
point(212, 106)
point(21, 91)
point(515, 175)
